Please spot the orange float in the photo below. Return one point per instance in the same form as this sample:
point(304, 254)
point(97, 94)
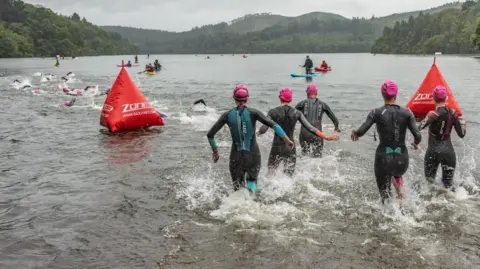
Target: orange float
point(126, 108)
point(422, 101)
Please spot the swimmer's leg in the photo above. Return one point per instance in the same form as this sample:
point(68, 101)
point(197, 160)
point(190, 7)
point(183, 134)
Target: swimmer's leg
point(431, 163)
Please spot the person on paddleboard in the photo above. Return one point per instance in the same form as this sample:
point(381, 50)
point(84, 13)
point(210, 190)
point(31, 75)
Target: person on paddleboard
point(136, 59)
point(308, 65)
point(440, 123)
point(391, 157)
point(245, 158)
point(313, 109)
point(287, 117)
point(129, 64)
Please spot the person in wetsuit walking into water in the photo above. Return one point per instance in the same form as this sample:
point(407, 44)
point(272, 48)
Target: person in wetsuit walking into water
point(313, 109)
point(391, 157)
point(308, 65)
point(440, 123)
point(245, 159)
point(287, 117)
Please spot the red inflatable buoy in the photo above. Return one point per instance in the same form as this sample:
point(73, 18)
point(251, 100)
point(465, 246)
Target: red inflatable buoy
point(126, 108)
point(422, 101)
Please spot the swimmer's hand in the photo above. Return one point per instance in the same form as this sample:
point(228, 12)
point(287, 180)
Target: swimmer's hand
point(333, 137)
point(290, 143)
point(337, 130)
point(414, 146)
point(354, 136)
point(215, 156)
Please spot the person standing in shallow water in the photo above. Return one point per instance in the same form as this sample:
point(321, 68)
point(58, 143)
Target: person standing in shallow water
point(313, 109)
point(287, 117)
point(245, 159)
point(440, 123)
point(391, 157)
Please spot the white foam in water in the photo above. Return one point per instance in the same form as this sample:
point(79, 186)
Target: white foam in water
point(23, 83)
point(200, 122)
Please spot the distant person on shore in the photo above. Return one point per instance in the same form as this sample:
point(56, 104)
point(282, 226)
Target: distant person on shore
point(308, 65)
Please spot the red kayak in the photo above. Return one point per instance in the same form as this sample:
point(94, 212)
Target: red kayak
point(324, 70)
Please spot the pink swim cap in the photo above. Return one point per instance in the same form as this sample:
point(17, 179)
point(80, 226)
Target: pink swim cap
point(79, 92)
point(286, 95)
point(240, 93)
point(440, 93)
point(65, 90)
point(312, 89)
point(67, 103)
point(389, 89)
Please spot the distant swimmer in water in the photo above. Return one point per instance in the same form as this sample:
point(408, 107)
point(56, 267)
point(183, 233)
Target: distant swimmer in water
point(440, 123)
point(66, 77)
point(16, 81)
point(201, 101)
point(287, 117)
point(70, 103)
point(26, 86)
point(391, 157)
point(73, 92)
point(245, 158)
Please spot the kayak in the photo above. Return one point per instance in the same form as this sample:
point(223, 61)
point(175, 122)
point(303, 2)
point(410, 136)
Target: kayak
point(300, 75)
point(133, 65)
point(150, 73)
point(324, 70)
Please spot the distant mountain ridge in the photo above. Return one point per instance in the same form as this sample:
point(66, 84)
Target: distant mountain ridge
point(267, 32)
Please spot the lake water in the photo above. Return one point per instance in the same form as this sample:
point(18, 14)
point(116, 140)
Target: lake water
point(72, 196)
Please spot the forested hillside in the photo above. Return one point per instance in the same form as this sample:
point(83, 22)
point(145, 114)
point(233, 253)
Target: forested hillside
point(27, 30)
point(267, 33)
point(450, 31)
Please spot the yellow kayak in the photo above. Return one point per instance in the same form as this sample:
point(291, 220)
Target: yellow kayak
point(150, 73)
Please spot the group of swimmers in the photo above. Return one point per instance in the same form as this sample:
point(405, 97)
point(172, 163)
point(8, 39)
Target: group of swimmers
point(392, 121)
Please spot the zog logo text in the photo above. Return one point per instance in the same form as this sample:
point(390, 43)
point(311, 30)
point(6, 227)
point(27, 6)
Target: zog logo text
point(136, 107)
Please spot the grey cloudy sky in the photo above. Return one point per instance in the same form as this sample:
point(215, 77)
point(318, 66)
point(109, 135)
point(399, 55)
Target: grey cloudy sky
point(180, 15)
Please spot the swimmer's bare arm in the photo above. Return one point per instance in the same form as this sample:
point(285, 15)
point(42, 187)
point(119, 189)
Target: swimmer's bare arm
point(365, 126)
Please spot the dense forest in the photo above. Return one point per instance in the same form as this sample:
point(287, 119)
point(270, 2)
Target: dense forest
point(27, 30)
point(451, 31)
point(267, 33)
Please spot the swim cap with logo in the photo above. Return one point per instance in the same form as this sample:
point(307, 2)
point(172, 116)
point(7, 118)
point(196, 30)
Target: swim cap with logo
point(389, 89)
point(286, 95)
point(440, 93)
point(240, 93)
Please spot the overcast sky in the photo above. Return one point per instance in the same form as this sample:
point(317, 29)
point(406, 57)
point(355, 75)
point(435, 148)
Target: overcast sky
point(180, 15)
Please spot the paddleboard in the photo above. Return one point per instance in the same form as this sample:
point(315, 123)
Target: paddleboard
point(304, 75)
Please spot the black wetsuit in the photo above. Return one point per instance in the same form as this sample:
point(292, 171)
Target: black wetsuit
point(440, 149)
point(286, 117)
point(308, 66)
point(313, 110)
point(391, 157)
point(245, 156)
